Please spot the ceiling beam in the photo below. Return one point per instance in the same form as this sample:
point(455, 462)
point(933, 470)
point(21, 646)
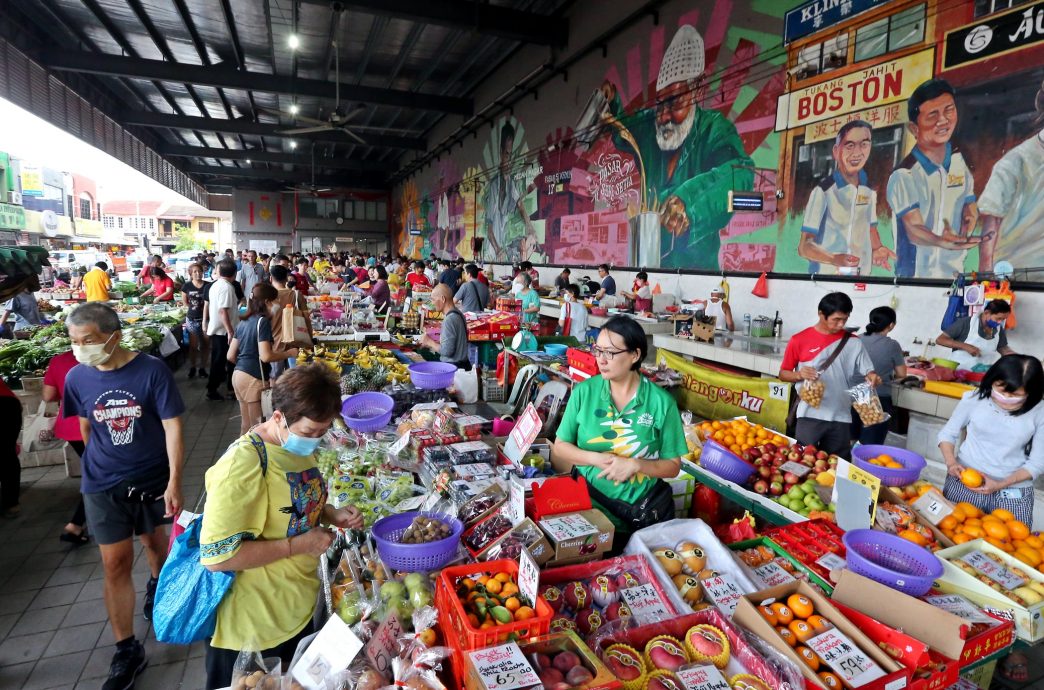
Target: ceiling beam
point(482, 17)
point(231, 78)
point(283, 177)
point(244, 126)
point(302, 160)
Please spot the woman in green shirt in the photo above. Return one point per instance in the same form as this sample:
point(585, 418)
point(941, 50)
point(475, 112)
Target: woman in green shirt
point(530, 300)
point(623, 433)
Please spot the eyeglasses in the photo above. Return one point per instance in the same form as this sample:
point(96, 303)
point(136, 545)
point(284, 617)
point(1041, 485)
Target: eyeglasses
point(607, 354)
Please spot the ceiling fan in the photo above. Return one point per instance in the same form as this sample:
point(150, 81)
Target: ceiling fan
point(312, 188)
point(338, 119)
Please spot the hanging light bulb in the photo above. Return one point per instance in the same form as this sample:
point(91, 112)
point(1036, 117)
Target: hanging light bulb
point(293, 144)
point(294, 42)
point(293, 109)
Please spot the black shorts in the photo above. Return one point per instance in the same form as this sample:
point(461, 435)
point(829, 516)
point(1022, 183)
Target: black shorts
point(112, 517)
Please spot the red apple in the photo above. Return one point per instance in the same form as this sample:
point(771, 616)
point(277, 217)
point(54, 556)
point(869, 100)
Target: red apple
point(769, 447)
point(761, 487)
point(776, 477)
point(755, 452)
point(820, 466)
point(794, 456)
point(791, 478)
point(822, 455)
point(775, 488)
point(809, 449)
point(765, 472)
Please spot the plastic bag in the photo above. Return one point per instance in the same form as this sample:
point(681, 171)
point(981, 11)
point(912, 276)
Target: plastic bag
point(812, 392)
point(187, 594)
point(867, 405)
point(251, 672)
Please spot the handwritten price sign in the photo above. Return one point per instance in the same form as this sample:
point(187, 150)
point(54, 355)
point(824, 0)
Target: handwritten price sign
point(959, 606)
point(504, 668)
point(702, 678)
point(932, 507)
point(528, 577)
point(568, 527)
point(831, 561)
point(645, 604)
point(384, 645)
point(772, 574)
point(723, 592)
point(993, 570)
point(846, 659)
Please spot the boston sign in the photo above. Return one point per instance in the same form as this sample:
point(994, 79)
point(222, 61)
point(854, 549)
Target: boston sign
point(995, 35)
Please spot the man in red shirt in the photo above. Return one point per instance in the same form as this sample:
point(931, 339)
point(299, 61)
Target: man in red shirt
point(810, 362)
point(145, 277)
point(416, 276)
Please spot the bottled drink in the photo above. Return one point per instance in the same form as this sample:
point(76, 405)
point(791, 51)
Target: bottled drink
point(777, 326)
point(746, 324)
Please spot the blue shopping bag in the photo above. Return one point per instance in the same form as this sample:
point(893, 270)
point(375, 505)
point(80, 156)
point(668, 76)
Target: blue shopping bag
point(188, 595)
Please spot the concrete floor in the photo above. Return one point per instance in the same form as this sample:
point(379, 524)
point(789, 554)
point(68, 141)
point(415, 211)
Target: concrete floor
point(53, 624)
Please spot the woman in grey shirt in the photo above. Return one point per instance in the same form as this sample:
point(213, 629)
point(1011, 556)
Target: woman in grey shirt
point(889, 363)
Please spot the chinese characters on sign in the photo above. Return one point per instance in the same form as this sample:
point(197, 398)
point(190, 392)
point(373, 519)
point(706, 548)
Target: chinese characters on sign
point(845, 658)
point(504, 668)
point(723, 592)
point(645, 604)
point(993, 570)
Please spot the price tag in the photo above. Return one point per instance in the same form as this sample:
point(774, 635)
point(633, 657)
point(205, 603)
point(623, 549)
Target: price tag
point(959, 606)
point(701, 678)
point(772, 574)
point(646, 605)
point(568, 527)
point(993, 570)
point(795, 468)
point(384, 645)
point(845, 658)
point(503, 668)
point(723, 592)
point(516, 502)
point(409, 504)
point(831, 561)
point(932, 507)
point(528, 576)
point(334, 647)
point(399, 445)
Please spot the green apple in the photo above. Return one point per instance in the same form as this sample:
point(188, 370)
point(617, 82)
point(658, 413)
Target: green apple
point(414, 581)
point(420, 598)
point(392, 589)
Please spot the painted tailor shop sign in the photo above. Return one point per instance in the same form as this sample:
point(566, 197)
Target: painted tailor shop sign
point(867, 88)
point(893, 165)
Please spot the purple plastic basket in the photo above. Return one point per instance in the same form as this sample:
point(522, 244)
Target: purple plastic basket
point(912, 464)
point(721, 461)
point(891, 560)
point(366, 412)
point(432, 375)
point(415, 558)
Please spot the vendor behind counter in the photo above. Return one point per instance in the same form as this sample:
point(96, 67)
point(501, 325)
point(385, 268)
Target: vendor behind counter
point(623, 433)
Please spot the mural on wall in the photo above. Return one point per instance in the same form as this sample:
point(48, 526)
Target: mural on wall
point(881, 124)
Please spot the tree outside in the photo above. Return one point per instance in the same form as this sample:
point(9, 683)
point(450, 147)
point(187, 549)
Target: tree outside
point(187, 239)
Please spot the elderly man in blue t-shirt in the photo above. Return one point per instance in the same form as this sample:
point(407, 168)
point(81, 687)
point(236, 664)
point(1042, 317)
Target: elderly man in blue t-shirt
point(130, 418)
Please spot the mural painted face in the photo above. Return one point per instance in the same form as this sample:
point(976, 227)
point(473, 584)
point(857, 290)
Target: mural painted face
point(936, 122)
point(675, 115)
point(852, 152)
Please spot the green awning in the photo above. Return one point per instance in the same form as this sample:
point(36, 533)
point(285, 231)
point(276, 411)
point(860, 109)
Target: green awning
point(22, 260)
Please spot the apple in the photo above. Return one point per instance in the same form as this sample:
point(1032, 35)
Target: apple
point(822, 455)
point(776, 477)
point(770, 447)
point(790, 478)
point(775, 488)
point(761, 487)
point(794, 456)
point(755, 452)
point(765, 472)
point(758, 462)
point(747, 456)
point(820, 466)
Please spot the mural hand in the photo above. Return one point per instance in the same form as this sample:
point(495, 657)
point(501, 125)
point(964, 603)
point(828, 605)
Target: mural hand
point(882, 256)
point(845, 260)
point(674, 217)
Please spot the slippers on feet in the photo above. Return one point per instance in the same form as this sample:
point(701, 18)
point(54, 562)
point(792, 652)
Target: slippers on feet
point(75, 539)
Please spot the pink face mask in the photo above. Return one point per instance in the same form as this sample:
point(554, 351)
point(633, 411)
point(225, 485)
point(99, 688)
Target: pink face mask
point(1008, 400)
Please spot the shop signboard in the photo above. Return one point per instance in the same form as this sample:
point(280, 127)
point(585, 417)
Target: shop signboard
point(994, 35)
point(714, 394)
point(870, 87)
point(32, 180)
point(881, 116)
point(12, 217)
point(817, 15)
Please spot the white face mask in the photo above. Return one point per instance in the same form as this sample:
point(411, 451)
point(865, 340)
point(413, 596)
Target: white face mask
point(92, 355)
point(1007, 400)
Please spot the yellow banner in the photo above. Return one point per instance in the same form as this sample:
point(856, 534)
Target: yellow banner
point(716, 395)
point(874, 86)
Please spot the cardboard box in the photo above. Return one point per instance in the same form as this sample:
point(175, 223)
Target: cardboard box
point(583, 533)
point(747, 615)
point(550, 645)
point(1029, 621)
point(558, 495)
point(944, 632)
point(886, 494)
point(541, 549)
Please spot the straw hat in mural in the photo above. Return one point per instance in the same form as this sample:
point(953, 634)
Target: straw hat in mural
point(684, 59)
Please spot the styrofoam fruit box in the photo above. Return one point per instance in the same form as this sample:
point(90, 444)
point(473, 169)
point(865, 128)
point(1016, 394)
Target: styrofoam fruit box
point(1029, 622)
point(669, 534)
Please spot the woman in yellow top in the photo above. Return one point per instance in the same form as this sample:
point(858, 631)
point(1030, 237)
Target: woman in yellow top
point(265, 502)
point(96, 283)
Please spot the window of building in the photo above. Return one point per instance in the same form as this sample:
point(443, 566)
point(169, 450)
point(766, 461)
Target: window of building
point(119, 222)
point(315, 207)
point(85, 207)
point(206, 227)
point(371, 210)
point(822, 57)
point(382, 210)
point(152, 223)
point(349, 209)
point(894, 32)
point(984, 7)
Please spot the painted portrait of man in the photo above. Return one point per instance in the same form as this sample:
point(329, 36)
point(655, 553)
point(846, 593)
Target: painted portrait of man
point(931, 191)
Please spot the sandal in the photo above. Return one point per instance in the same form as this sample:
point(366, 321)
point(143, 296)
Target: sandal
point(1015, 668)
point(75, 539)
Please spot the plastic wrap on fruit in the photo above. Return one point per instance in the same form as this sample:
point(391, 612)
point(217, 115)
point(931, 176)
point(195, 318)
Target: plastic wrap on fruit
point(252, 672)
point(867, 405)
point(487, 531)
point(424, 635)
point(360, 675)
point(786, 670)
point(420, 672)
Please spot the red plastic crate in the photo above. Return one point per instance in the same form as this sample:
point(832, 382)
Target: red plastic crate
point(457, 630)
point(583, 362)
point(809, 541)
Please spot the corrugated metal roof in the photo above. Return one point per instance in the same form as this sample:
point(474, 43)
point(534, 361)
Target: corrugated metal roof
point(397, 45)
